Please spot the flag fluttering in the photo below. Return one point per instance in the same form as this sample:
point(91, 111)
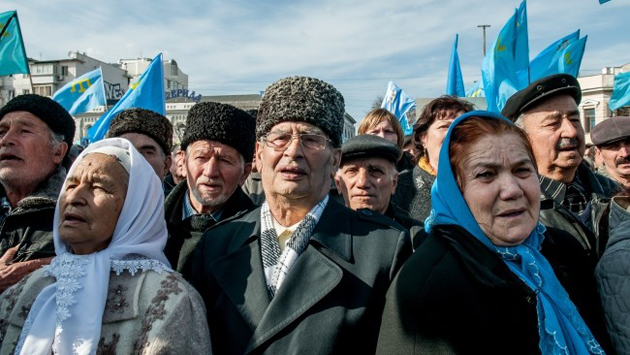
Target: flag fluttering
point(501, 71)
point(399, 103)
point(621, 92)
point(82, 94)
point(455, 81)
point(147, 92)
point(12, 54)
point(476, 90)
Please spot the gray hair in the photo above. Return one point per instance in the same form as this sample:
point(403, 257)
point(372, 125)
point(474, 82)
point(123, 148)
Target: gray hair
point(519, 121)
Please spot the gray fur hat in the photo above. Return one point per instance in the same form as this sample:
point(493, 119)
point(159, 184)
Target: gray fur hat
point(303, 99)
point(143, 121)
point(222, 123)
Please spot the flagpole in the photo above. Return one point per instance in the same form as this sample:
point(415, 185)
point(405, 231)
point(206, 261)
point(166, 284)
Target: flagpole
point(28, 65)
point(103, 82)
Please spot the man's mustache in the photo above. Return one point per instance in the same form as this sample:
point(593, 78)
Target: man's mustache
point(622, 160)
point(567, 143)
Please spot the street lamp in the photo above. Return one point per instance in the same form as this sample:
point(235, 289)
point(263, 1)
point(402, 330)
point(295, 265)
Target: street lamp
point(483, 28)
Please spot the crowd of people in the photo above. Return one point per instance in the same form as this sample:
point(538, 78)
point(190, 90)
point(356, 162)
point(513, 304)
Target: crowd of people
point(263, 233)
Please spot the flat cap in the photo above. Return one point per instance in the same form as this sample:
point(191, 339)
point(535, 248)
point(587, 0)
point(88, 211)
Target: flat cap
point(611, 130)
point(541, 90)
point(369, 146)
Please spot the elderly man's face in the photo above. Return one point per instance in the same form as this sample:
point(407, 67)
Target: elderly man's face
point(299, 171)
point(27, 152)
point(213, 171)
point(616, 157)
point(90, 205)
point(557, 137)
point(501, 188)
point(159, 160)
point(367, 183)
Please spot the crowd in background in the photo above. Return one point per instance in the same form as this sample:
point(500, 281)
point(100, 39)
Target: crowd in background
point(263, 232)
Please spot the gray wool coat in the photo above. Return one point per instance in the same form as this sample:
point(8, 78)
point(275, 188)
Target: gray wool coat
point(613, 275)
point(148, 313)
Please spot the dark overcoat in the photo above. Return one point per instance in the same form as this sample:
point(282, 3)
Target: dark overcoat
point(330, 302)
point(456, 296)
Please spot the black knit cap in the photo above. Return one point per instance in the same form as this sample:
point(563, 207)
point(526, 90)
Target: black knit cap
point(369, 146)
point(541, 90)
point(47, 110)
point(222, 123)
point(302, 99)
point(143, 121)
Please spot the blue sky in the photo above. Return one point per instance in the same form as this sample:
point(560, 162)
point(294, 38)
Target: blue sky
point(241, 46)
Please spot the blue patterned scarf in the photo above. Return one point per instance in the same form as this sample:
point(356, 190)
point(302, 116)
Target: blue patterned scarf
point(561, 328)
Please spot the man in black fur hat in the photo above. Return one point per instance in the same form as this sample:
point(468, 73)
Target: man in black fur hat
point(35, 136)
point(219, 147)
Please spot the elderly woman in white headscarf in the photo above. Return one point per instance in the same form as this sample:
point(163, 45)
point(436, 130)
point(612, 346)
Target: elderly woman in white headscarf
point(110, 289)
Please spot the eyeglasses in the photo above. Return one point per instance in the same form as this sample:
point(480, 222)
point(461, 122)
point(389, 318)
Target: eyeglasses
point(281, 141)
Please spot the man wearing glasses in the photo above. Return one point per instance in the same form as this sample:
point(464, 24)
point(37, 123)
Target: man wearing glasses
point(302, 274)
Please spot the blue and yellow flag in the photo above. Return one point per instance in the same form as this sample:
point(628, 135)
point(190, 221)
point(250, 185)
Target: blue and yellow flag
point(521, 46)
point(399, 103)
point(12, 55)
point(476, 90)
point(455, 81)
point(621, 92)
point(147, 92)
point(499, 69)
point(82, 94)
point(548, 61)
point(571, 57)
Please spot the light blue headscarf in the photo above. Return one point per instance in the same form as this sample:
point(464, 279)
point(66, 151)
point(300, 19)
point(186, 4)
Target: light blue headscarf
point(561, 328)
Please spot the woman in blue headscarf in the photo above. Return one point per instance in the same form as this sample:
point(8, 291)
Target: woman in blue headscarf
point(489, 278)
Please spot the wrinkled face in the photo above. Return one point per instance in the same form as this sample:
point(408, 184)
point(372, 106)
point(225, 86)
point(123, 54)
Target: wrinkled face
point(178, 169)
point(384, 130)
point(90, 205)
point(500, 186)
point(27, 154)
point(616, 157)
point(151, 151)
point(367, 183)
point(213, 171)
point(556, 135)
point(434, 137)
point(296, 172)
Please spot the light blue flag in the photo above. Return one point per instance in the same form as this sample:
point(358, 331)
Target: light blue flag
point(571, 57)
point(621, 92)
point(603, 1)
point(499, 69)
point(12, 55)
point(521, 47)
point(476, 90)
point(399, 103)
point(547, 61)
point(455, 81)
point(82, 94)
point(147, 92)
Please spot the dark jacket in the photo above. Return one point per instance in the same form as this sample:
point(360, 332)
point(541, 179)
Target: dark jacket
point(454, 295)
point(30, 224)
point(253, 188)
point(413, 193)
point(555, 215)
point(613, 276)
point(415, 227)
point(330, 302)
point(183, 235)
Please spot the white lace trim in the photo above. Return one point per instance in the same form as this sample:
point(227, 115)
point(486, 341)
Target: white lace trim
point(67, 269)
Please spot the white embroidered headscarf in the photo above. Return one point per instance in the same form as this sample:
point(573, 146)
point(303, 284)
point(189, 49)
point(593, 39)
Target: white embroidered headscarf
point(67, 315)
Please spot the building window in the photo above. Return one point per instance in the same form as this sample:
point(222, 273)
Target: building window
point(64, 70)
point(43, 90)
point(174, 69)
point(26, 91)
point(589, 119)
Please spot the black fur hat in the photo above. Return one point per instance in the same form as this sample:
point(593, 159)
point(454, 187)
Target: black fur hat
point(304, 99)
point(222, 123)
point(147, 122)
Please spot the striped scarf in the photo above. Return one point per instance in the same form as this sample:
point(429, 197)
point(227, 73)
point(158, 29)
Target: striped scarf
point(275, 263)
